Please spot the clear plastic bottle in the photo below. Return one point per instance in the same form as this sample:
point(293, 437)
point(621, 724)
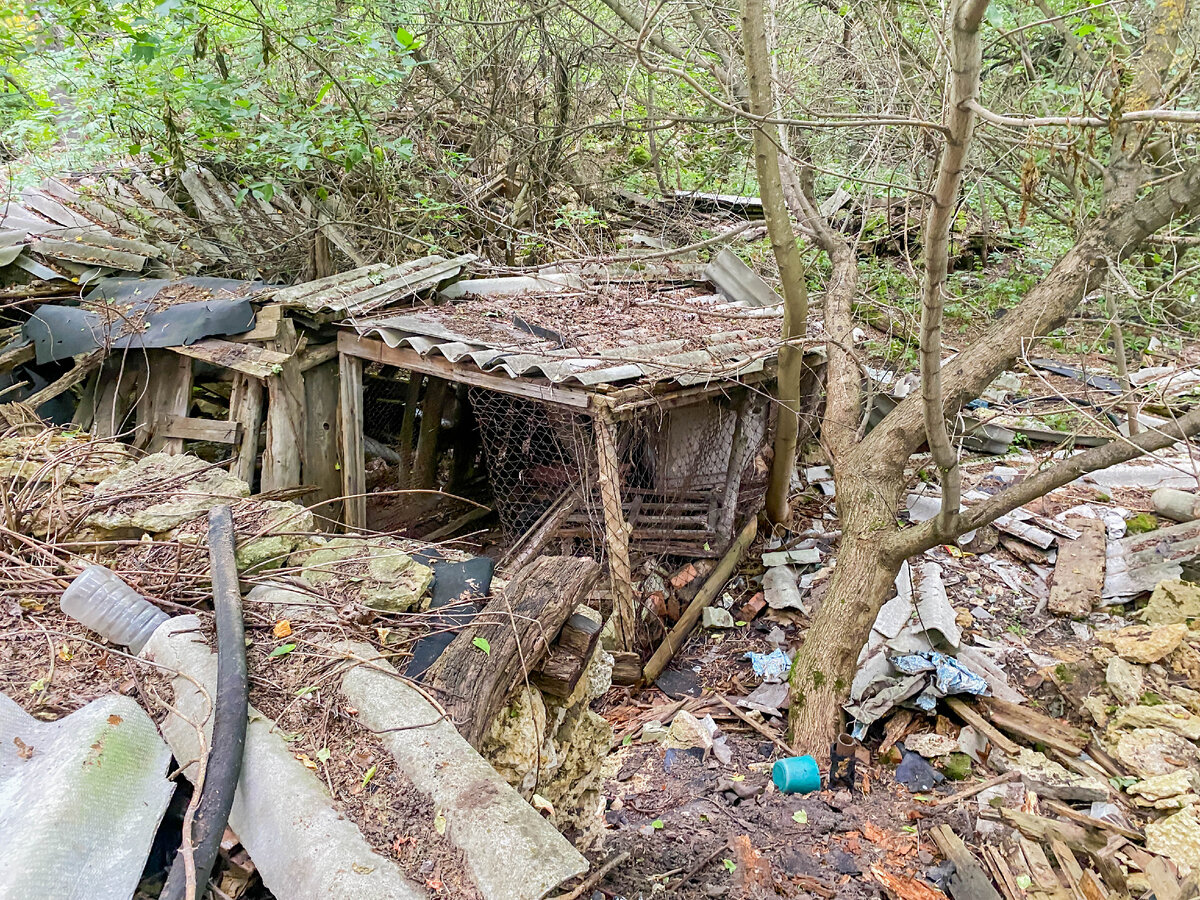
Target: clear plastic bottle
point(104, 603)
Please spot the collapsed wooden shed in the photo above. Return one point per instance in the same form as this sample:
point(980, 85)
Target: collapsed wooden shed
point(619, 419)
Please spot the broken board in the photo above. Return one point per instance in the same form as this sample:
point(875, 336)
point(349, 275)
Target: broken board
point(1079, 570)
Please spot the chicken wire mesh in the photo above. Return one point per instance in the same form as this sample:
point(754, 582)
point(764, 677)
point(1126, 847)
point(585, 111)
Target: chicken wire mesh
point(685, 474)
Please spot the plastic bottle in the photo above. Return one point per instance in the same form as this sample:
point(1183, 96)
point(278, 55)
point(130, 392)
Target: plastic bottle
point(104, 603)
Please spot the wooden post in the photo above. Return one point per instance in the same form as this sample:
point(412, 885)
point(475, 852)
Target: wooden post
point(354, 472)
point(118, 391)
point(733, 471)
point(616, 530)
point(168, 394)
point(425, 464)
point(283, 456)
point(322, 465)
point(246, 408)
point(408, 425)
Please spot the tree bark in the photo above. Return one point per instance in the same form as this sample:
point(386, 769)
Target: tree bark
point(965, 59)
point(787, 258)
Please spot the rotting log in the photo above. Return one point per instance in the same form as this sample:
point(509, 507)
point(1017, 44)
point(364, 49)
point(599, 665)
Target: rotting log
point(354, 461)
point(476, 675)
point(676, 637)
point(569, 656)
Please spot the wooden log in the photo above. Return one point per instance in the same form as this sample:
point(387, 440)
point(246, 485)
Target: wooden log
point(516, 628)
point(354, 459)
point(283, 455)
point(679, 634)
point(322, 466)
point(569, 655)
point(627, 668)
point(246, 408)
point(973, 718)
point(426, 459)
point(1034, 726)
point(1079, 570)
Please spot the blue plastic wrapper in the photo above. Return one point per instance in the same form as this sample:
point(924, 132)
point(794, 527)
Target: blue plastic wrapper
point(952, 677)
point(770, 665)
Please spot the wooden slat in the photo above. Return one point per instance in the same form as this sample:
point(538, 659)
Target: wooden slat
point(283, 455)
point(192, 429)
point(168, 395)
point(249, 359)
point(350, 414)
point(376, 350)
point(246, 408)
point(322, 451)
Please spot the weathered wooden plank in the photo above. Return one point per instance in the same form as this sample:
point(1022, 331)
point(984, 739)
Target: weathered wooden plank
point(1079, 570)
point(192, 429)
point(168, 395)
point(354, 460)
point(569, 655)
point(969, 881)
point(249, 359)
point(322, 451)
point(246, 408)
point(283, 455)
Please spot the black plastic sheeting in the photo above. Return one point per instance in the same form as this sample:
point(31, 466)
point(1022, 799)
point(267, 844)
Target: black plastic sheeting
point(60, 332)
point(461, 586)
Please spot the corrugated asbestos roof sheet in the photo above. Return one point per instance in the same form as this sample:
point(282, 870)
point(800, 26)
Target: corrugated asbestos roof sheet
point(525, 350)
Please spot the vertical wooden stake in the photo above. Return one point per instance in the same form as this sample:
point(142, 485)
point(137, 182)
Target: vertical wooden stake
point(283, 456)
point(407, 426)
point(425, 463)
point(321, 445)
point(354, 462)
point(616, 530)
point(246, 407)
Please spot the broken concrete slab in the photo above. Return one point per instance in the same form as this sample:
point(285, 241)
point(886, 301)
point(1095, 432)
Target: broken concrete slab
point(267, 532)
point(380, 570)
point(1173, 602)
point(1167, 716)
point(1176, 837)
point(931, 745)
point(1047, 778)
point(1164, 787)
point(688, 732)
point(80, 800)
point(1079, 570)
point(1154, 751)
point(1126, 681)
point(1143, 643)
point(282, 813)
point(715, 617)
point(161, 492)
point(512, 852)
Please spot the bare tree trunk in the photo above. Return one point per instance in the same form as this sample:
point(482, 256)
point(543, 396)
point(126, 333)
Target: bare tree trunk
point(965, 59)
point(787, 257)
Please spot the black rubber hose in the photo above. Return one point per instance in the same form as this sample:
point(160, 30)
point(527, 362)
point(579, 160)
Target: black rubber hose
point(229, 715)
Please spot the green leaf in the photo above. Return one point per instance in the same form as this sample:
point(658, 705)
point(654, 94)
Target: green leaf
point(282, 650)
point(800, 816)
point(627, 740)
point(1084, 30)
point(308, 689)
point(1024, 882)
point(481, 643)
point(439, 823)
point(911, 829)
point(405, 39)
point(369, 775)
point(657, 824)
point(323, 754)
point(730, 865)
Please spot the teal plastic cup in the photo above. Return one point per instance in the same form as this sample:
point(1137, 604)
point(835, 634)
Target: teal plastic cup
point(796, 775)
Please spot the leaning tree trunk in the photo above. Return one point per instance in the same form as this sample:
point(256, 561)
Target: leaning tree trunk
point(824, 667)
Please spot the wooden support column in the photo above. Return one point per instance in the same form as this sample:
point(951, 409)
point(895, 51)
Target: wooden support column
point(120, 387)
point(322, 456)
point(734, 468)
point(246, 408)
point(425, 463)
point(283, 456)
point(616, 530)
point(168, 394)
point(408, 426)
point(350, 414)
